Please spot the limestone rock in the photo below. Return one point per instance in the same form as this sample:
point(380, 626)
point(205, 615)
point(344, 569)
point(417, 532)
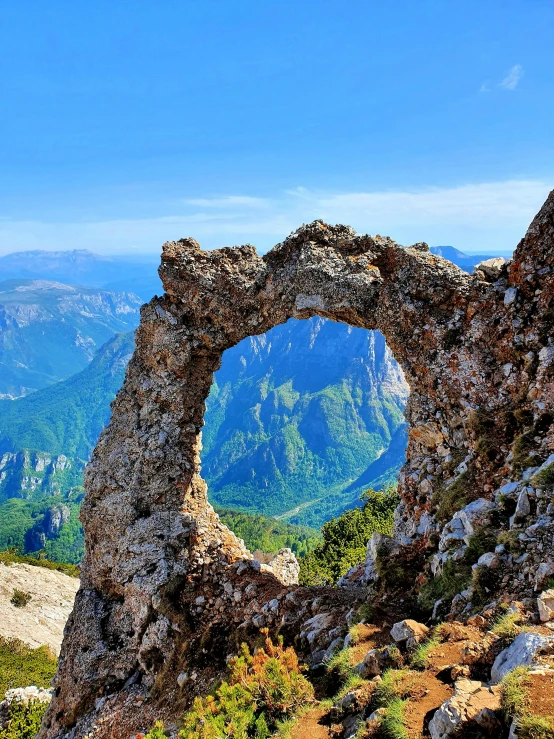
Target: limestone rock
point(545, 602)
point(410, 632)
point(522, 651)
point(491, 268)
point(285, 567)
point(42, 620)
point(472, 702)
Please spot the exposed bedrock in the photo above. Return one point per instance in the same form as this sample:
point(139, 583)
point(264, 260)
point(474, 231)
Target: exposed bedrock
point(167, 591)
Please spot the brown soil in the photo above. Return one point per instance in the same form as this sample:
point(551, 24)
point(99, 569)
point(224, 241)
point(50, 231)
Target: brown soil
point(541, 695)
point(426, 694)
point(370, 637)
point(309, 726)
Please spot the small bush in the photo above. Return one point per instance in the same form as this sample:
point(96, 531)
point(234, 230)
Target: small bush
point(392, 724)
point(263, 689)
point(506, 627)
point(393, 685)
point(23, 720)
point(157, 732)
point(20, 598)
point(21, 665)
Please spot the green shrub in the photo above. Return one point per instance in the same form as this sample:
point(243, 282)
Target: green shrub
point(21, 665)
point(263, 689)
point(345, 538)
point(20, 598)
point(23, 720)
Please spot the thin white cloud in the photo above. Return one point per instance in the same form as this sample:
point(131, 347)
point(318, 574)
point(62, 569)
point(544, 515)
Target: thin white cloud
point(485, 87)
point(512, 79)
point(228, 201)
point(482, 217)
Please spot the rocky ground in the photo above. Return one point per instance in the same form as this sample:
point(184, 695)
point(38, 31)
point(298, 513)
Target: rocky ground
point(35, 604)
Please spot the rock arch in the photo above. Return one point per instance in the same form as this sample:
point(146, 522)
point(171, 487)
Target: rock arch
point(165, 586)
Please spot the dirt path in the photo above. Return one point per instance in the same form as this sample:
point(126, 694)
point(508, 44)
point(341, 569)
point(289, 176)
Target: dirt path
point(309, 726)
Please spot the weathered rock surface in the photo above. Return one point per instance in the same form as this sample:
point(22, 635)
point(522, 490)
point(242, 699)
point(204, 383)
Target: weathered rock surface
point(42, 620)
point(472, 702)
point(165, 586)
point(409, 632)
point(545, 603)
point(523, 651)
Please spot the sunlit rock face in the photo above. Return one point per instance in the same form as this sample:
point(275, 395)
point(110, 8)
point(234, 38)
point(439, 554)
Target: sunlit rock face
point(166, 589)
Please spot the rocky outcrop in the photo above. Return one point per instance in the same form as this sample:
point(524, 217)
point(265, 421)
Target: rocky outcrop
point(42, 619)
point(165, 586)
point(473, 703)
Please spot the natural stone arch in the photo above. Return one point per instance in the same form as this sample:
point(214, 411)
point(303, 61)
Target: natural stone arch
point(160, 571)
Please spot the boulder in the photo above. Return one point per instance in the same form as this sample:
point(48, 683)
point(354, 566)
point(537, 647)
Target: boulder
point(409, 631)
point(285, 567)
point(370, 666)
point(472, 702)
point(491, 268)
point(522, 651)
point(462, 525)
point(545, 602)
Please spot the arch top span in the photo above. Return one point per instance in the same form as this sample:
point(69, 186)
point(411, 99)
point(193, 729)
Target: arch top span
point(331, 271)
point(166, 588)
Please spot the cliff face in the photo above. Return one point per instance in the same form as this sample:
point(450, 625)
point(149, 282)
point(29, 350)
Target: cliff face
point(166, 588)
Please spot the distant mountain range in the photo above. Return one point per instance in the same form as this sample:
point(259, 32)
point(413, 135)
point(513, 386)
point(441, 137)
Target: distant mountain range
point(50, 331)
point(299, 421)
point(128, 273)
point(465, 261)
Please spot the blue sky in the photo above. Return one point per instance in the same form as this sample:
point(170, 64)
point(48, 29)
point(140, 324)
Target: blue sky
point(125, 124)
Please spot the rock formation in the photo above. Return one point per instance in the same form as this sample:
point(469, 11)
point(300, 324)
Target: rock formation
point(166, 589)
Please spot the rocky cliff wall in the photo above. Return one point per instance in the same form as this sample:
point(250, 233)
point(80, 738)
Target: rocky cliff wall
point(166, 589)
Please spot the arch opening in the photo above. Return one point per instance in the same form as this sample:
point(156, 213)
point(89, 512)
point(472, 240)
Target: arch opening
point(301, 420)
